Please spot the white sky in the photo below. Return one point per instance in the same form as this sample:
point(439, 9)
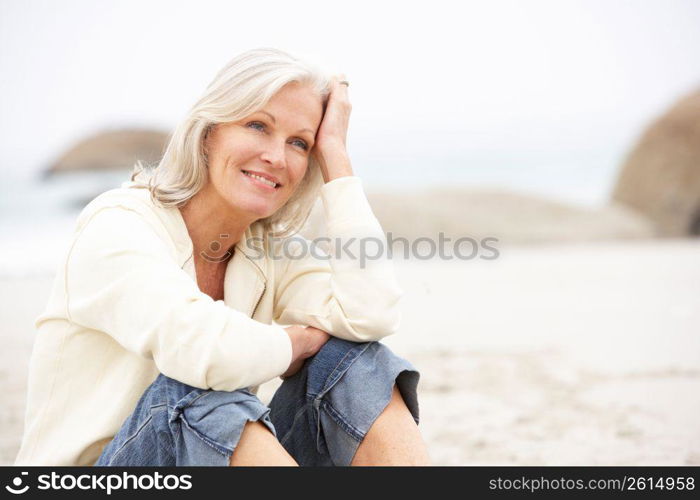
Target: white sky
point(430, 81)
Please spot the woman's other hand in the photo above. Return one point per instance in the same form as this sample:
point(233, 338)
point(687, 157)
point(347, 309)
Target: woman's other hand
point(330, 149)
point(306, 341)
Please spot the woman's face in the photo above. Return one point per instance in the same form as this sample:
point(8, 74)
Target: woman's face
point(256, 164)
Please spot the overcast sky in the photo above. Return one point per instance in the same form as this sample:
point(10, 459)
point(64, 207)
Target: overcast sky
point(434, 80)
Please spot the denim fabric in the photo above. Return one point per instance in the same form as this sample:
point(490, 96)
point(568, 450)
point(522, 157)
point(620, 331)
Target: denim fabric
point(320, 415)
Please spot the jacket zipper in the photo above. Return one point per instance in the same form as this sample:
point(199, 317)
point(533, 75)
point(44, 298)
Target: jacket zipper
point(259, 299)
point(264, 283)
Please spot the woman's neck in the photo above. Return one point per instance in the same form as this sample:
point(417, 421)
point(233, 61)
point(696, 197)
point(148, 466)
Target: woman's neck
point(213, 229)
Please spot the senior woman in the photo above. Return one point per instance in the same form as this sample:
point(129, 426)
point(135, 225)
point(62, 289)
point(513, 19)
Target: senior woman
point(167, 312)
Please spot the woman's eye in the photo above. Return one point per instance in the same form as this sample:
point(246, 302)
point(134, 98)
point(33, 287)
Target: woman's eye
point(256, 125)
point(300, 144)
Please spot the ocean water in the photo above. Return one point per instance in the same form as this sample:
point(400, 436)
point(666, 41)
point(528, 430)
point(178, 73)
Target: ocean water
point(578, 177)
point(38, 215)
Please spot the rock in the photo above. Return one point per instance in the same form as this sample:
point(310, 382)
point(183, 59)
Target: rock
point(112, 150)
point(511, 217)
point(661, 176)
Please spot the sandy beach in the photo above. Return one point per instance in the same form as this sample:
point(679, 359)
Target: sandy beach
point(557, 354)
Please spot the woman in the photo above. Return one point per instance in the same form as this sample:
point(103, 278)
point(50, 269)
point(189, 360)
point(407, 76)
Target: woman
point(160, 326)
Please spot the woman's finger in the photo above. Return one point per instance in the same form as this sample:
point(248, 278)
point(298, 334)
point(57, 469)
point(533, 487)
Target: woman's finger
point(339, 91)
point(340, 83)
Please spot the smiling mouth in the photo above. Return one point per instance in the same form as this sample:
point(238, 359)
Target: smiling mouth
point(266, 182)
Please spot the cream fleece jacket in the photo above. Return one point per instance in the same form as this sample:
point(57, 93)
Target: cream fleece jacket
point(125, 306)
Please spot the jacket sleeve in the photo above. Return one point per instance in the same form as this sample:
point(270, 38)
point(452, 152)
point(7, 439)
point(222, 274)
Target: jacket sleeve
point(123, 280)
point(350, 290)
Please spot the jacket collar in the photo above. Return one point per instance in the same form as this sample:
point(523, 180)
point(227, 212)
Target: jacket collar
point(245, 268)
point(174, 223)
point(245, 280)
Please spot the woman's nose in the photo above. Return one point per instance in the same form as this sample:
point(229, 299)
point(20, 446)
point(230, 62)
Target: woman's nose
point(274, 154)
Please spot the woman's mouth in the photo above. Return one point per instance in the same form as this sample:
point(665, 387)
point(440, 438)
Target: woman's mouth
point(261, 181)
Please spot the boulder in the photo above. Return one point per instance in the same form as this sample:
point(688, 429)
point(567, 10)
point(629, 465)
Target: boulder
point(112, 150)
point(661, 176)
point(512, 217)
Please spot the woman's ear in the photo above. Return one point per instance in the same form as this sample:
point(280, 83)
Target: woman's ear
point(205, 143)
point(208, 132)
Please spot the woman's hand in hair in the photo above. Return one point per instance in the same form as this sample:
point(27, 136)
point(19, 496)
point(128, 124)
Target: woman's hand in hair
point(330, 149)
point(306, 342)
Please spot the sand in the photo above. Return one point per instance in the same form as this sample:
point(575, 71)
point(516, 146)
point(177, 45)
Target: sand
point(558, 354)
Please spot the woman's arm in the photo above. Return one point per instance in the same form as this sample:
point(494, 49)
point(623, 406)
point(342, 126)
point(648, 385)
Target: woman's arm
point(122, 280)
point(351, 293)
point(330, 149)
point(347, 294)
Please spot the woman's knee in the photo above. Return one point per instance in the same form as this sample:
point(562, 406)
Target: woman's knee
point(216, 420)
point(356, 385)
point(190, 426)
point(369, 368)
point(376, 362)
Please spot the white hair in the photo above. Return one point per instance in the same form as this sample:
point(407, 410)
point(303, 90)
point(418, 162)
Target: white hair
point(242, 87)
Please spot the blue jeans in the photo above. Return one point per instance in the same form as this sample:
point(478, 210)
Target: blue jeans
point(320, 415)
